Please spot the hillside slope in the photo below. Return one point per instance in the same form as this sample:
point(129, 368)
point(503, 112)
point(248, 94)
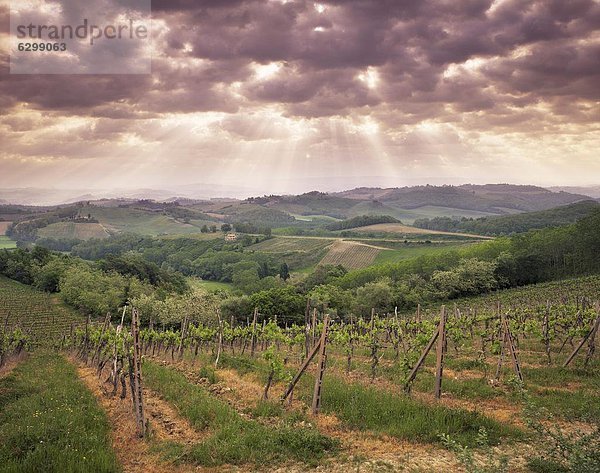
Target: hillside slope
point(518, 223)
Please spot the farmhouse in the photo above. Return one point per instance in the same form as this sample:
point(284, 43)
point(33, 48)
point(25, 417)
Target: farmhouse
point(231, 237)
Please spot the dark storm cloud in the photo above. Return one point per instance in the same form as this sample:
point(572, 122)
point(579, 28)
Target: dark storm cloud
point(530, 52)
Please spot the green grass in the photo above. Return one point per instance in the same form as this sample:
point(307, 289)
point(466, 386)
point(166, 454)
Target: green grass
point(367, 408)
point(557, 376)
point(233, 439)
point(582, 404)
point(7, 243)
point(411, 251)
point(50, 422)
point(473, 388)
point(542, 465)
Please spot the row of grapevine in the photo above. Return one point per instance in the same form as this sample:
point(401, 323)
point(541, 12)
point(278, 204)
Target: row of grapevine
point(39, 316)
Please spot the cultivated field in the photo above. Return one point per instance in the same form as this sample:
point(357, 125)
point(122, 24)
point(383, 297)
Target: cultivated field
point(211, 394)
point(351, 254)
point(42, 318)
point(80, 231)
point(142, 222)
point(286, 244)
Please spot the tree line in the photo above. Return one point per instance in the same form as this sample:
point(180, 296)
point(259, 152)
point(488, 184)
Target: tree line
point(142, 271)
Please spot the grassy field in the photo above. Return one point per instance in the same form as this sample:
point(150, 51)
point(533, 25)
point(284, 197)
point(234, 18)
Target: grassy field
point(80, 231)
point(402, 252)
point(50, 422)
point(7, 243)
point(142, 222)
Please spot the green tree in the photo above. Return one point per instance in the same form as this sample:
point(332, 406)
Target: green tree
point(47, 277)
point(374, 295)
point(284, 301)
point(284, 271)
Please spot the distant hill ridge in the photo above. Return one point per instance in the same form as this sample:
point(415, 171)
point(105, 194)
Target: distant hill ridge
point(494, 198)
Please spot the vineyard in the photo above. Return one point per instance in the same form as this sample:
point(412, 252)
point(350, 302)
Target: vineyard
point(80, 231)
point(38, 317)
point(286, 244)
point(460, 386)
point(351, 255)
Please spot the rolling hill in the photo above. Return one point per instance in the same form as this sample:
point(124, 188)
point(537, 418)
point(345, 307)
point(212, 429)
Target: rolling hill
point(309, 212)
point(517, 223)
point(490, 198)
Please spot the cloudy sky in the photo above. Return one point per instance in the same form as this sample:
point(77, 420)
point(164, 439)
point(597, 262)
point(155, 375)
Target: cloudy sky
point(277, 96)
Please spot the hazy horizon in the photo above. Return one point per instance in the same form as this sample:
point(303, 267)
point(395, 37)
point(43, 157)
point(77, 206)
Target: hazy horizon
point(199, 191)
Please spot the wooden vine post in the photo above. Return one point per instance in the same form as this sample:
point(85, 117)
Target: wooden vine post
point(220, 339)
point(432, 340)
point(591, 336)
point(512, 350)
point(508, 342)
point(184, 328)
point(441, 348)
point(253, 339)
point(105, 325)
point(307, 328)
point(319, 347)
point(316, 402)
point(546, 332)
point(314, 323)
point(138, 395)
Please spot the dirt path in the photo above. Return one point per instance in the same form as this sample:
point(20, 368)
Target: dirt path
point(134, 453)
